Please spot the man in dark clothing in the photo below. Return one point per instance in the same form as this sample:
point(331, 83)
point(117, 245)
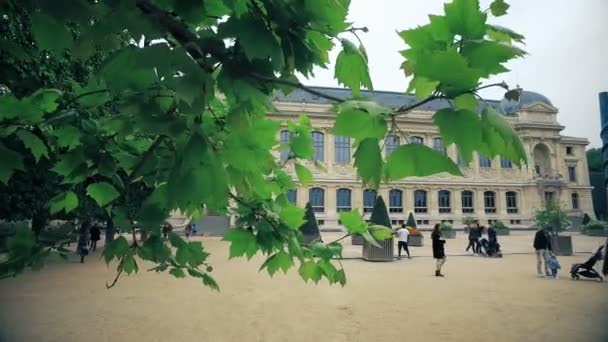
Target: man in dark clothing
point(479, 235)
point(542, 245)
point(492, 234)
point(472, 238)
point(95, 236)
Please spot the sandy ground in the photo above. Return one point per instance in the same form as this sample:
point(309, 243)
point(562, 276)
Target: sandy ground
point(480, 299)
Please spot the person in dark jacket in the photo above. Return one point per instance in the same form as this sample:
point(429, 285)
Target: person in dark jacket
point(95, 236)
point(542, 245)
point(479, 235)
point(492, 234)
point(438, 250)
point(472, 238)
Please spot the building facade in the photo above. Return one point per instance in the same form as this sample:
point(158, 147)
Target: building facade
point(491, 189)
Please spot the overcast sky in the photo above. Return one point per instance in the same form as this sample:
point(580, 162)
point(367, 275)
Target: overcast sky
point(567, 42)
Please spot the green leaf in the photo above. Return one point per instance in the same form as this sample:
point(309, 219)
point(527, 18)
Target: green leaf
point(327, 252)
point(353, 222)
point(66, 201)
point(177, 272)
point(440, 29)
point(340, 277)
point(423, 86)
point(103, 193)
point(301, 145)
point(50, 34)
point(116, 249)
point(46, 99)
point(209, 281)
point(309, 270)
point(93, 94)
point(466, 101)
point(361, 119)
point(304, 174)
point(450, 68)
point(370, 239)
point(453, 123)
point(278, 261)
point(69, 163)
point(504, 34)
point(243, 242)
point(487, 56)
point(380, 233)
point(499, 8)
point(416, 160)
point(351, 68)
point(67, 136)
point(129, 264)
point(500, 138)
point(465, 18)
point(368, 161)
point(11, 161)
point(33, 143)
point(292, 216)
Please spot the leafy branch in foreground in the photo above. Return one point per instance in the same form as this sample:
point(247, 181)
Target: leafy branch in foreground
point(153, 106)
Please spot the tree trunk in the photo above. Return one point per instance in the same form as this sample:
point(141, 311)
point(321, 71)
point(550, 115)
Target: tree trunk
point(39, 221)
point(109, 231)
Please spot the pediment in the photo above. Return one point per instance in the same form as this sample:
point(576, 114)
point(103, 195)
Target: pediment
point(540, 107)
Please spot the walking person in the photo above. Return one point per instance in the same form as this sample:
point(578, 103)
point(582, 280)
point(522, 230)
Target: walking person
point(542, 245)
point(95, 236)
point(554, 265)
point(82, 248)
point(479, 235)
point(472, 238)
point(188, 230)
point(402, 234)
point(438, 249)
point(194, 229)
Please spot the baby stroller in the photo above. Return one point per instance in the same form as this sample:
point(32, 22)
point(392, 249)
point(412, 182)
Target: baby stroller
point(586, 269)
point(491, 249)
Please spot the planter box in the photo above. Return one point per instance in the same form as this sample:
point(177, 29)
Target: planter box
point(449, 234)
point(373, 253)
point(595, 232)
point(562, 245)
point(415, 240)
point(503, 231)
point(357, 240)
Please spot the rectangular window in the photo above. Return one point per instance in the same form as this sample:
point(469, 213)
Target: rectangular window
point(395, 201)
point(419, 222)
point(285, 141)
point(292, 196)
point(506, 163)
point(574, 201)
point(489, 200)
point(420, 201)
point(515, 221)
point(318, 144)
point(467, 202)
point(316, 197)
point(438, 146)
point(459, 159)
point(484, 162)
point(343, 200)
point(444, 202)
point(391, 143)
point(511, 202)
point(549, 196)
point(369, 198)
point(321, 222)
point(417, 140)
point(342, 149)
point(572, 173)
point(569, 150)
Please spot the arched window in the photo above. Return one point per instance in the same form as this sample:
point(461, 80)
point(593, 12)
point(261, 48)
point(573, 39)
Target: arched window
point(369, 198)
point(512, 202)
point(292, 195)
point(395, 201)
point(574, 198)
point(343, 200)
point(316, 197)
point(285, 141)
point(505, 163)
point(417, 140)
point(467, 202)
point(318, 144)
point(438, 145)
point(420, 201)
point(489, 201)
point(391, 144)
point(444, 202)
point(484, 162)
point(342, 149)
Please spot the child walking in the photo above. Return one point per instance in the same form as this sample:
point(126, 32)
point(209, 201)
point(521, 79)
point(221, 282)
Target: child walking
point(554, 265)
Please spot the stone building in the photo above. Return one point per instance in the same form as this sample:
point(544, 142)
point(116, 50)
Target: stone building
point(491, 189)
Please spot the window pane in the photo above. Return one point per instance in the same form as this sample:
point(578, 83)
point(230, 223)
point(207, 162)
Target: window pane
point(317, 199)
point(342, 149)
point(572, 173)
point(484, 161)
point(395, 201)
point(467, 202)
point(318, 142)
point(417, 140)
point(284, 141)
point(574, 201)
point(444, 201)
point(438, 145)
point(369, 198)
point(343, 200)
point(420, 201)
point(391, 144)
point(505, 163)
point(489, 201)
point(511, 202)
point(292, 195)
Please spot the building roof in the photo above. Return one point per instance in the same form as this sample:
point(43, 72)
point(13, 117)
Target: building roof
point(396, 99)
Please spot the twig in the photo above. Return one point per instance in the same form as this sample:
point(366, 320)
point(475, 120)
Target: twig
point(340, 239)
point(117, 276)
point(296, 85)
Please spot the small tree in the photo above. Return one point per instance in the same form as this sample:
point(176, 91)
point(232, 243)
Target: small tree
point(410, 221)
point(552, 218)
point(310, 229)
point(380, 214)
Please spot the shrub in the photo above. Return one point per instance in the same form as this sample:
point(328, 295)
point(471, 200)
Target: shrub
point(445, 226)
point(468, 220)
point(500, 225)
point(595, 225)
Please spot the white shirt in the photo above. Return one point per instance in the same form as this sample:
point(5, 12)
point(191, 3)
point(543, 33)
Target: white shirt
point(403, 233)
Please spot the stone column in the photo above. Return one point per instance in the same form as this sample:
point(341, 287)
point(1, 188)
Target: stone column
point(330, 200)
point(329, 150)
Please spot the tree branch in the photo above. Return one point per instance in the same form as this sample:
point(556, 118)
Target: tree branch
point(145, 157)
point(296, 85)
point(115, 278)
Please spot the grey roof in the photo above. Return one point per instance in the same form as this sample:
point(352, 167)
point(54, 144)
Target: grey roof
point(396, 99)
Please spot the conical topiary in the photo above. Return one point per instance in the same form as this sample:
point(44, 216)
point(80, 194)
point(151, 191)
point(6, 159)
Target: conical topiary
point(410, 221)
point(379, 217)
point(310, 229)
